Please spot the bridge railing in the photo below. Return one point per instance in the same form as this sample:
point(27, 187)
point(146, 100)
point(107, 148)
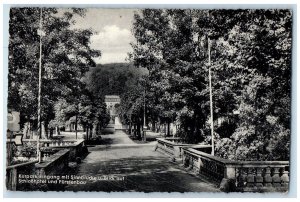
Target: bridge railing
point(76, 147)
point(49, 147)
point(173, 146)
point(257, 176)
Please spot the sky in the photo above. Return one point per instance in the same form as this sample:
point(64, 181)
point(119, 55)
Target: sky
point(113, 32)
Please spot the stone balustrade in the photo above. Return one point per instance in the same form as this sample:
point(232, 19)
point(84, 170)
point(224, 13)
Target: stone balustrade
point(173, 146)
point(170, 146)
point(243, 176)
point(262, 175)
point(51, 143)
point(54, 164)
point(75, 146)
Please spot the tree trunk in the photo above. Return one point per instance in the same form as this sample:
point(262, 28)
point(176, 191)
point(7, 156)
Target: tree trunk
point(44, 131)
point(153, 126)
point(168, 128)
point(129, 129)
point(98, 128)
point(134, 130)
point(30, 130)
point(91, 131)
point(157, 129)
point(94, 130)
point(164, 129)
point(76, 124)
point(87, 133)
point(51, 133)
point(26, 130)
point(139, 130)
point(57, 131)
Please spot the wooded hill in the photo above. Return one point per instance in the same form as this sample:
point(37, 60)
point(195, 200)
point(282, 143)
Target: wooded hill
point(113, 78)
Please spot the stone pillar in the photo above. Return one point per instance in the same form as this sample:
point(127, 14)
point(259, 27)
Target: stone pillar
point(228, 182)
point(229, 172)
point(285, 179)
point(259, 179)
point(276, 179)
point(250, 178)
point(199, 165)
point(176, 152)
point(268, 178)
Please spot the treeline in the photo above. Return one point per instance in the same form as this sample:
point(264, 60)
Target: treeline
point(251, 77)
point(66, 58)
point(121, 79)
point(113, 78)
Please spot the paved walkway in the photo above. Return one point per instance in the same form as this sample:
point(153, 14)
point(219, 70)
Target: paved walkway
point(135, 167)
point(119, 137)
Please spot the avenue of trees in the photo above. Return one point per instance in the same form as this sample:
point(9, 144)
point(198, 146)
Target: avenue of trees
point(251, 77)
point(250, 65)
point(66, 57)
point(125, 80)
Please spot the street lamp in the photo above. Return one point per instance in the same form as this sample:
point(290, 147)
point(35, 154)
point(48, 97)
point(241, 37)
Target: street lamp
point(40, 33)
point(211, 103)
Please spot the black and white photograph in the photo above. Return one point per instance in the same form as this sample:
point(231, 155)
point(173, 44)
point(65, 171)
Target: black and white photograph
point(147, 100)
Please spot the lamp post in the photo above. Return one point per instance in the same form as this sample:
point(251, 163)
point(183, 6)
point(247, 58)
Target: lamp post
point(40, 33)
point(211, 103)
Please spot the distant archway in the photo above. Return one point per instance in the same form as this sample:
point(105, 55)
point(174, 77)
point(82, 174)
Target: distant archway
point(111, 102)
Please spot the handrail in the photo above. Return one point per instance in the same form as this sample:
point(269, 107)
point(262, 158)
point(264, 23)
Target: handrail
point(53, 158)
point(171, 143)
point(21, 164)
point(233, 162)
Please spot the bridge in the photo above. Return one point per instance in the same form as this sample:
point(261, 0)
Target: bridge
point(139, 166)
point(166, 165)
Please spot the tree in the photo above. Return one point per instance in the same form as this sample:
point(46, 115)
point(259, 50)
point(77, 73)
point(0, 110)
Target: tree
point(258, 63)
point(166, 45)
point(66, 56)
point(251, 60)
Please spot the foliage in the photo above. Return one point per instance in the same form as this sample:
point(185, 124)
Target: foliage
point(250, 62)
point(111, 79)
point(120, 79)
point(261, 83)
point(66, 56)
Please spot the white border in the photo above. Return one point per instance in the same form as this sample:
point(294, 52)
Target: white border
point(159, 3)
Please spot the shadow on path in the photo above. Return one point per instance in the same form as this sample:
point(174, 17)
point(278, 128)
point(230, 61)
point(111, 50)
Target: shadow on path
point(141, 170)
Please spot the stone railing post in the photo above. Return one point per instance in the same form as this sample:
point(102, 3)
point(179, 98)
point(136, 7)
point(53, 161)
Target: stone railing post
point(228, 182)
point(229, 171)
point(285, 179)
point(276, 179)
point(176, 151)
point(259, 179)
point(251, 177)
point(268, 178)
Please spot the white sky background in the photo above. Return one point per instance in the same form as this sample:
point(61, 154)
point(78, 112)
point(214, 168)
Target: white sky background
point(113, 32)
